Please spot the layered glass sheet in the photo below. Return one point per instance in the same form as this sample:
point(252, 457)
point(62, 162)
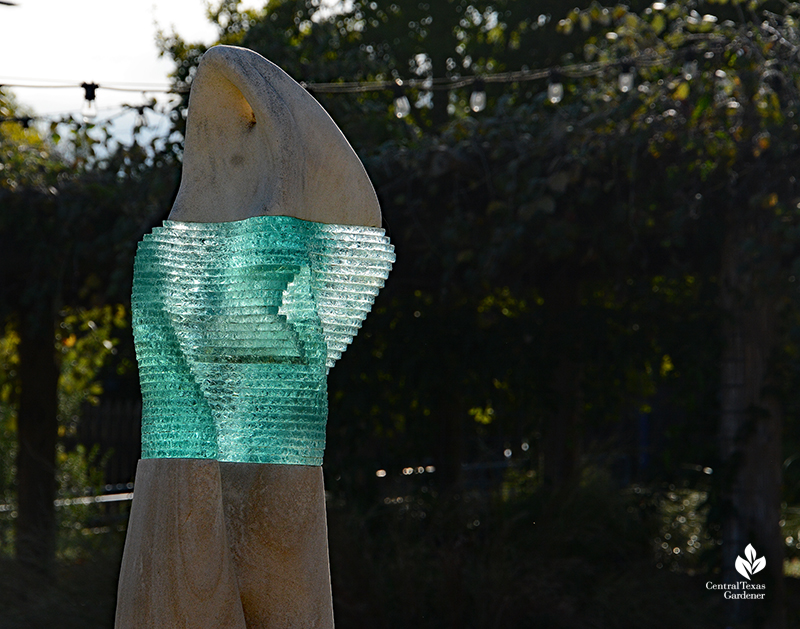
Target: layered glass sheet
point(236, 326)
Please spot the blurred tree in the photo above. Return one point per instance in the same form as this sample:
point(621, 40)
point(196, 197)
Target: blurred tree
point(683, 182)
point(27, 165)
point(636, 238)
point(68, 228)
point(363, 41)
point(716, 110)
point(371, 42)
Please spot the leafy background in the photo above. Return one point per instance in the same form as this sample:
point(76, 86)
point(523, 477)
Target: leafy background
point(573, 404)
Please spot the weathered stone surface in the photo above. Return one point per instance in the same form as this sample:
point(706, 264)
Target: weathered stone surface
point(228, 545)
point(258, 143)
point(275, 520)
point(177, 569)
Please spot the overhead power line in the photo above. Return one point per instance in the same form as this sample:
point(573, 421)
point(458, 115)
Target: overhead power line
point(398, 87)
point(116, 87)
point(353, 87)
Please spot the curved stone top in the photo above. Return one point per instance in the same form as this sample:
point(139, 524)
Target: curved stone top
point(257, 143)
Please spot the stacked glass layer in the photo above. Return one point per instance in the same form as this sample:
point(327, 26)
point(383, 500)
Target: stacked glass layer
point(236, 326)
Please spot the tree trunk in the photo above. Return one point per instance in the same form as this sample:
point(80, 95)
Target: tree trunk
point(560, 436)
point(561, 430)
point(37, 432)
point(750, 441)
point(450, 451)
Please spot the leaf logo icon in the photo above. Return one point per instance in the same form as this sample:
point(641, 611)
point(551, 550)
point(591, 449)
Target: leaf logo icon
point(751, 565)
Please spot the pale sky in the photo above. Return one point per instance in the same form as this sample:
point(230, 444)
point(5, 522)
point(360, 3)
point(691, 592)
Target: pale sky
point(102, 41)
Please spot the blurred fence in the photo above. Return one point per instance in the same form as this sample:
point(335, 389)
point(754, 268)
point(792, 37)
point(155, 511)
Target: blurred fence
point(115, 427)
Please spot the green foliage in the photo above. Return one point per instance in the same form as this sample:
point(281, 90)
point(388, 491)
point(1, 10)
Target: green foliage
point(83, 529)
point(72, 214)
point(82, 594)
point(568, 559)
point(558, 283)
point(9, 363)
point(374, 41)
point(86, 341)
point(73, 207)
point(682, 539)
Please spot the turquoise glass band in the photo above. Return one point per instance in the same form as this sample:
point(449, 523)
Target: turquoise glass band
point(236, 326)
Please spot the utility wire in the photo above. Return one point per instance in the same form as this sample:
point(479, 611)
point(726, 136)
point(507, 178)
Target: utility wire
point(398, 86)
point(579, 70)
point(115, 88)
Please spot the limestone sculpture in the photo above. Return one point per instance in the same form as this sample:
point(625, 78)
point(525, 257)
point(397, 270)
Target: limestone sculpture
point(243, 300)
